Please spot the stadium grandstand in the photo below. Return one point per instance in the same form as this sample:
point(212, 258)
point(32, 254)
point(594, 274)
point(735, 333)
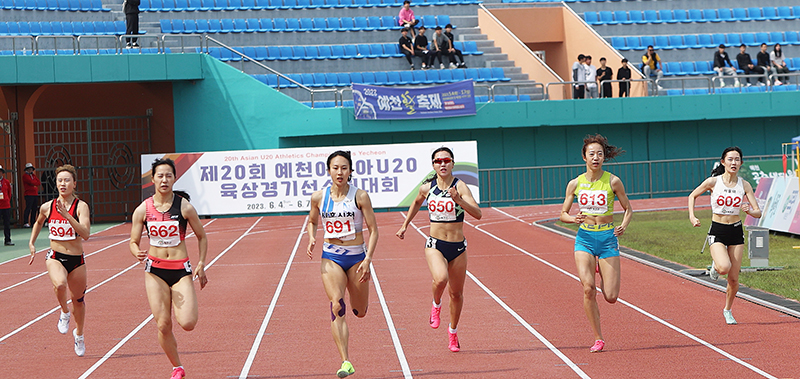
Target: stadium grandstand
point(211, 75)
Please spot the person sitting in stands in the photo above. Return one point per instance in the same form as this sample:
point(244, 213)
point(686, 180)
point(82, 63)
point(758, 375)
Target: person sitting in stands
point(406, 17)
point(448, 31)
point(720, 58)
point(746, 64)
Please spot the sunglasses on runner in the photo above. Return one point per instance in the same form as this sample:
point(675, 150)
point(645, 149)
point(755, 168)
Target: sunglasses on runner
point(442, 160)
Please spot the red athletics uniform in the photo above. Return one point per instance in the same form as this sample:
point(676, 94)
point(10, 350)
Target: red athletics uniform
point(166, 229)
point(61, 230)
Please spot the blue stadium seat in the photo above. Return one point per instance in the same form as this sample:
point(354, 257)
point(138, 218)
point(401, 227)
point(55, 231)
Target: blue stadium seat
point(485, 74)
point(429, 21)
point(363, 51)
point(313, 52)
point(264, 24)
point(306, 24)
point(368, 78)
point(472, 73)
point(278, 25)
point(320, 25)
point(481, 99)
point(651, 17)
point(344, 79)
point(696, 15)
point(674, 92)
point(621, 17)
point(471, 48)
point(299, 53)
point(273, 53)
point(770, 13)
point(337, 3)
point(166, 27)
point(591, 18)
point(270, 4)
point(419, 77)
point(445, 76)
point(754, 13)
point(459, 75)
point(786, 13)
point(374, 22)
point(734, 39)
point(55, 26)
point(361, 4)
point(303, 4)
point(718, 39)
point(762, 37)
point(283, 53)
point(776, 37)
point(711, 15)
point(288, 4)
point(225, 25)
point(376, 50)
point(35, 28)
point(293, 25)
point(406, 78)
point(88, 27)
point(637, 17)
point(252, 25)
point(619, 43)
point(381, 78)
point(377, 3)
point(704, 68)
point(333, 24)
point(360, 23)
point(676, 42)
point(688, 68)
point(351, 52)
point(691, 41)
point(499, 75)
point(393, 78)
point(434, 77)
point(392, 50)
point(662, 43)
point(648, 41)
point(672, 69)
point(666, 16)
point(390, 23)
point(725, 14)
point(681, 15)
point(633, 43)
point(792, 38)
point(347, 23)
point(337, 52)
point(749, 39)
point(607, 18)
point(239, 25)
point(51, 5)
point(740, 14)
point(443, 20)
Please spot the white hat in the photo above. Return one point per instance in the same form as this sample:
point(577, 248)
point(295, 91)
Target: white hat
point(2, 169)
point(29, 165)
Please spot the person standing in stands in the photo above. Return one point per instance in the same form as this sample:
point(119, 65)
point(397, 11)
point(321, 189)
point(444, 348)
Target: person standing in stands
point(406, 46)
point(778, 65)
point(591, 77)
point(762, 59)
point(579, 75)
point(131, 10)
point(651, 64)
point(421, 48)
point(441, 46)
point(623, 73)
point(604, 73)
point(448, 31)
point(5, 205)
point(746, 64)
point(31, 184)
point(720, 58)
point(406, 17)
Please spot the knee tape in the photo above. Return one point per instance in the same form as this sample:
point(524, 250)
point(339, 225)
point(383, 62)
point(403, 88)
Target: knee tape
point(341, 310)
point(355, 311)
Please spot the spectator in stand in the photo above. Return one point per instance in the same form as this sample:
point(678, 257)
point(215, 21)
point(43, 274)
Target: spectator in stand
point(448, 31)
point(720, 58)
point(131, 10)
point(5, 206)
point(591, 77)
point(406, 46)
point(604, 73)
point(624, 73)
point(579, 75)
point(31, 184)
point(762, 59)
point(421, 48)
point(651, 64)
point(746, 64)
point(778, 65)
point(441, 46)
point(406, 18)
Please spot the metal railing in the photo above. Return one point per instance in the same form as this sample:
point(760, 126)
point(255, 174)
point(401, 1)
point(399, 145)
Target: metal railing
point(795, 74)
point(643, 179)
point(683, 80)
point(516, 86)
point(563, 84)
point(55, 39)
point(14, 42)
point(182, 38)
point(737, 78)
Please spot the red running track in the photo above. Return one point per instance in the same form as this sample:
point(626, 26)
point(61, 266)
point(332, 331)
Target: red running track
point(522, 316)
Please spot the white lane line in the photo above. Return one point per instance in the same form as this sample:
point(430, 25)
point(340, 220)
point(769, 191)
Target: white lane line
point(130, 335)
point(70, 301)
point(521, 320)
point(260, 335)
point(39, 251)
point(649, 315)
point(398, 347)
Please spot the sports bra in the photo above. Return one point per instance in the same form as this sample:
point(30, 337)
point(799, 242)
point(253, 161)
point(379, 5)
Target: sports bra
point(441, 207)
point(341, 220)
point(726, 200)
point(60, 229)
point(165, 229)
point(595, 198)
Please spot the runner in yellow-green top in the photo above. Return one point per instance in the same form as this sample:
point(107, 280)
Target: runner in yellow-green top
point(596, 245)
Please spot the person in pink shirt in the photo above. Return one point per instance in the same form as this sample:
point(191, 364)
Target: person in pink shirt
point(406, 18)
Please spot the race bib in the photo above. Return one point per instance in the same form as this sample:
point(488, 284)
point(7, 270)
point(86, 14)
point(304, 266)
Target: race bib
point(593, 201)
point(442, 209)
point(164, 233)
point(341, 228)
point(61, 230)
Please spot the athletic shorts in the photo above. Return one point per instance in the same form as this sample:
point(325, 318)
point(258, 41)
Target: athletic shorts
point(169, 270)
point(70, 262)
point(450, 250)
point(726, 234)
point(598, 240)
point(344, 256)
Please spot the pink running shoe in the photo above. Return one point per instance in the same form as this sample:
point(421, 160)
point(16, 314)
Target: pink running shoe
point(435, 316)
point(454, 345)
point(178, 373)
point(597, 347)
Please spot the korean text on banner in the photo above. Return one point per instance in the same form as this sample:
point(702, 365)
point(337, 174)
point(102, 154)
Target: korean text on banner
point(385, 103)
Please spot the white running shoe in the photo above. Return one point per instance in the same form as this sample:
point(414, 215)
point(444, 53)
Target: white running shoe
point(441, 66)
point(63, 323)
point(453, 65)
point(713, 272)
point(80, 346)
point(729, 317)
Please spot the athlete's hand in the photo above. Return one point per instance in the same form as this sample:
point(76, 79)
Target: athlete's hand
point(746, 207)
point(401, 233)
point(61, 209)
point(695, 221)
point(618, 231)
point(580, 218)
point(33, 254)
point(141, 255)
point(311, 243)
point(453, 191)
point(364, 270)
point(200, 274)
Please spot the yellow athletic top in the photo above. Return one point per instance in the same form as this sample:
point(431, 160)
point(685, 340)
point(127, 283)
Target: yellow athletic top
point(595, 198)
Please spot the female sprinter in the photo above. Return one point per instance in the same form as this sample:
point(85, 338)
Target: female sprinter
point(596, 245)
point(446, 248)
point(343, 209)
point(168, 274)
point(726, 238)
point(67, 218)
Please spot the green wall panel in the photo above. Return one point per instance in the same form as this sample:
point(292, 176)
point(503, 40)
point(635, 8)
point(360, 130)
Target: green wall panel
point(8, 69)
point(147, 67)
point(109, 68)
point(35, 69)
point(73, 69)
point(184, 66)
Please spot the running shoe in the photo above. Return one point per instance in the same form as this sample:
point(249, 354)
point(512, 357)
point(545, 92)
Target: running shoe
point(597, 347)
point(435, 316)
point(178, 373)
point(346, 370)
point(80, 346)
point(713, 273)
point(454, 345)
point(63, 323)
point(729, 317)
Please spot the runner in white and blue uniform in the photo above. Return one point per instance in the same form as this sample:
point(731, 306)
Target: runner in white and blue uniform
point(342, 209)
point(445, 250)
point(596, 245)
point(726, 236)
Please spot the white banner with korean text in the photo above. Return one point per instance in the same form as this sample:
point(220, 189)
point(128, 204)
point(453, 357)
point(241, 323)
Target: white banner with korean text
point(282, 180)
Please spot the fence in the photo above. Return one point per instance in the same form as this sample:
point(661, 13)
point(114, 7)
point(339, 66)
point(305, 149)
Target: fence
point(547, 184)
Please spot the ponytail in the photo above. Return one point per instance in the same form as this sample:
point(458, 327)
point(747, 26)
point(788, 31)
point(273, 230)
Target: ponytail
point(182, 194)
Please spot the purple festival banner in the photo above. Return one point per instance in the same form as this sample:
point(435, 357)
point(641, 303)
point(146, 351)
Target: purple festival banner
point(386, 103)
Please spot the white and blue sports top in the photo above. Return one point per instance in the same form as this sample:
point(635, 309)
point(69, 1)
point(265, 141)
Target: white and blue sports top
point(725, 200)
point(341, 220)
